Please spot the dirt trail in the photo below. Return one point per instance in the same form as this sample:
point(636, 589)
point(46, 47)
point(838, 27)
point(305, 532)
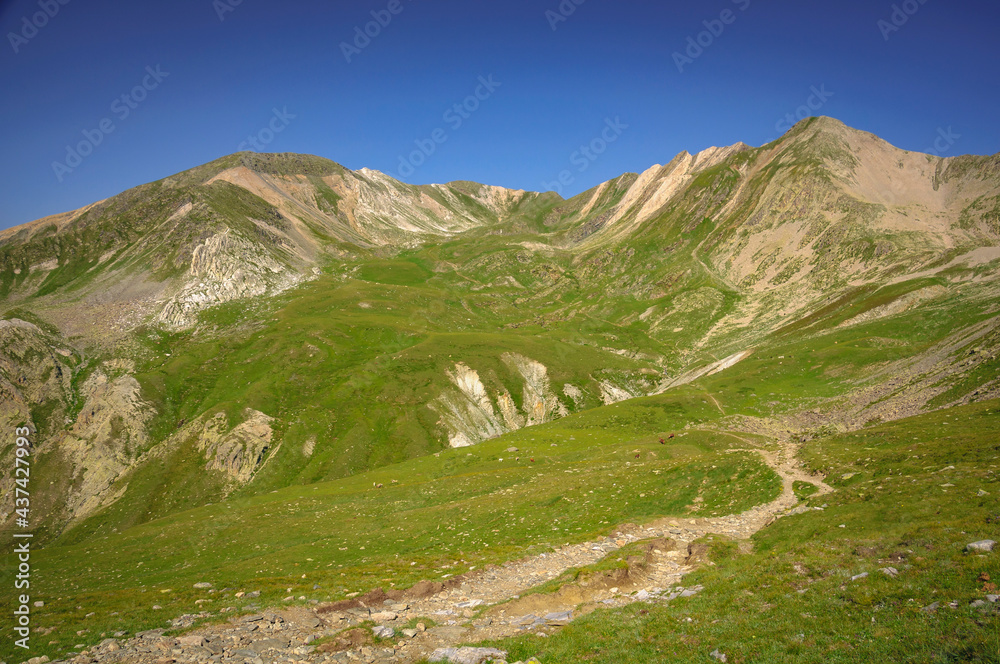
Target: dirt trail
point(658, 578)
point(485, 604)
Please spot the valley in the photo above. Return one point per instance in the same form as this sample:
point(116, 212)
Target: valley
point(768, 374)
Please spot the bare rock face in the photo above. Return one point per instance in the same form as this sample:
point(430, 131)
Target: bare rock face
point(107, 438)
point(540, 402)
point(467, 412)
point(238, 451)
point(470, 415)
point(225, 267)
point(35, 370)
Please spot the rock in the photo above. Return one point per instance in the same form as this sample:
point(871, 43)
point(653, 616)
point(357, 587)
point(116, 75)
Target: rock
point(39, 603)
point(466, 655)
point(982, 546)
point(383, 632)
point(409, 633)
point(255, 593)
point(978, 604)
point(421, 627)
point(890, 572)
point(202, 585)
point(191, 640)
point(512, 449)
point(559, 618)
point(268, 644)
point(858, 577)
point(993, 598)
point(38, 660)
point(384, 616)
point(931, 608)
point(715, 654)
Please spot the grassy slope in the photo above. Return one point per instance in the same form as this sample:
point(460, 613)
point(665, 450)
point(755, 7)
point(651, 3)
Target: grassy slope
point(463, 505)
point(444, 513)
point(792, 599)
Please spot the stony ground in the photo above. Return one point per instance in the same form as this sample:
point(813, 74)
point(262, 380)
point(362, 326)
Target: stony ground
point(488, 604)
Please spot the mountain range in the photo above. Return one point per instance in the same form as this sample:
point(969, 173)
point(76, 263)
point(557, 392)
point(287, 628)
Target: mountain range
point(272, 322)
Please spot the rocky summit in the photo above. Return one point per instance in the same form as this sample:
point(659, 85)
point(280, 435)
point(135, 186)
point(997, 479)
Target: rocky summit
point(742, 406)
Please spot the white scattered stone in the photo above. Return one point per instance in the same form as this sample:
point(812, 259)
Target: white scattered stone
point(383, 632)
point(466, 655)
point(982, 546)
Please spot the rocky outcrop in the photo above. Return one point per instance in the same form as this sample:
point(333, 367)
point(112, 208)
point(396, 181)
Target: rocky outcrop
point(467, 411)
point(540, 402)
point(236, 451)
point(107, 438)
point(470, 416)
point(225, 267)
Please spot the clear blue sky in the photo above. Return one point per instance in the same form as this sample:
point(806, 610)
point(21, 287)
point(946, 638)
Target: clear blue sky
point(607, 60)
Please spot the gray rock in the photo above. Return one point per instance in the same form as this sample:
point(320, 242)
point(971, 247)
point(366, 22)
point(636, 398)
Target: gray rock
point(978, 604)
point(559, 618)
point(931, 608)
point(890, 572)
point(982, 546)
point(383, 632)
point(409, 633)
point(268, 644)
point(858, 577)
point(202, 585)
point(466, 655)
point(993, 598)
point(191, 640)
point(715, 654)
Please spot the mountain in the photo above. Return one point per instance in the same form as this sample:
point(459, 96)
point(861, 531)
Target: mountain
point(199, 321)
point(269, 325)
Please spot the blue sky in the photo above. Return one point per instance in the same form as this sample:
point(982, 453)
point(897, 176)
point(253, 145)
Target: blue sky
point(197, 86)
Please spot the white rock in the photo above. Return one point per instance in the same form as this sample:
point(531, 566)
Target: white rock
point(982, 546)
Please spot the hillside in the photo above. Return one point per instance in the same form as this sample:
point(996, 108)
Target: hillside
point(254, 345)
